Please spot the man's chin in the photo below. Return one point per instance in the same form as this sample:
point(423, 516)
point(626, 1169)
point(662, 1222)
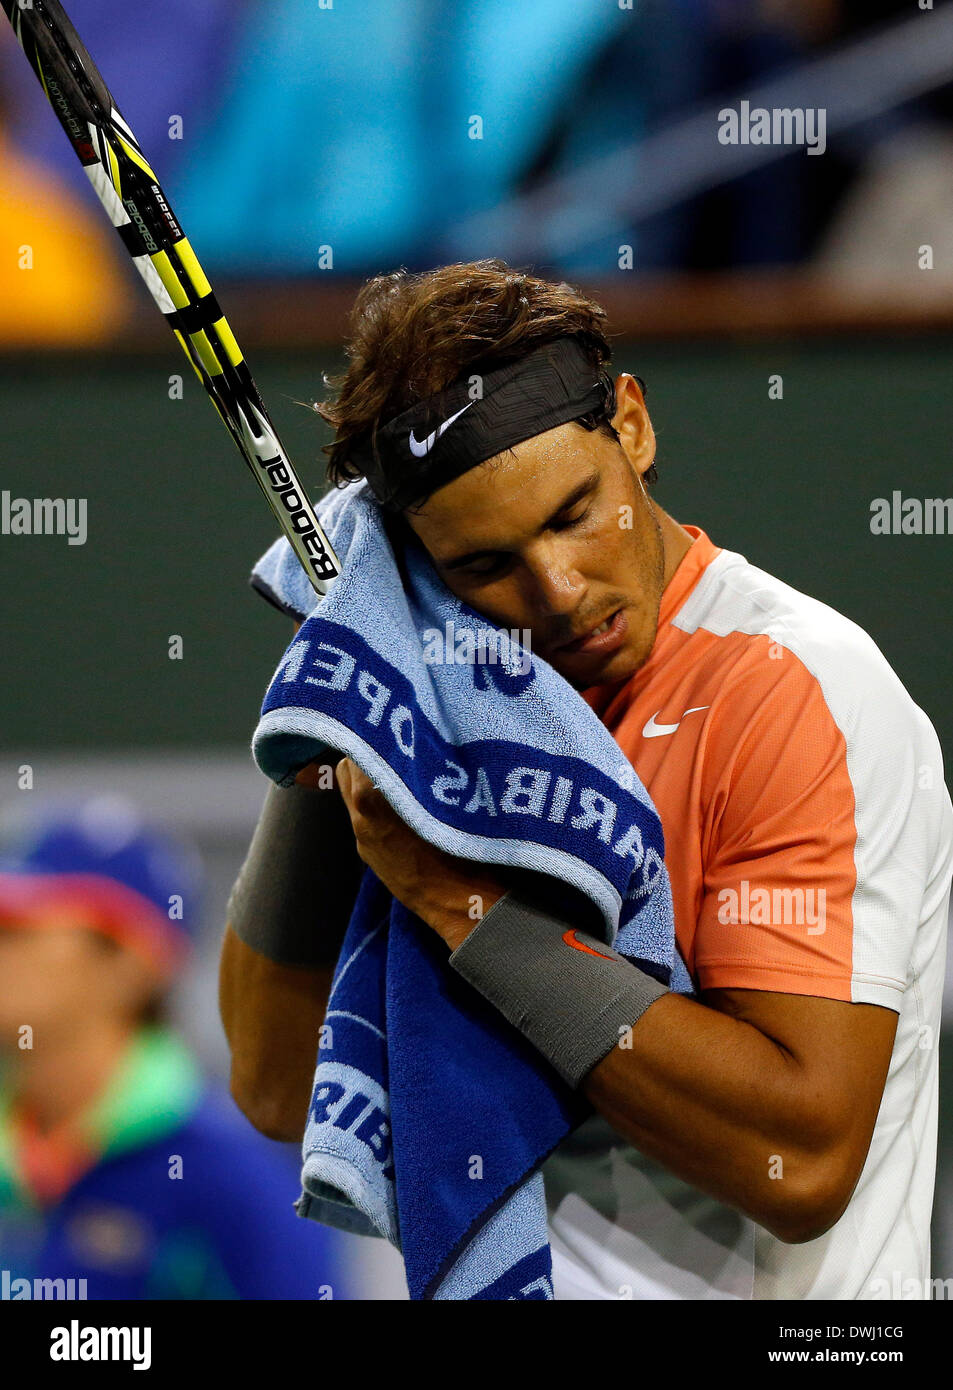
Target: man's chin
point(612, 670)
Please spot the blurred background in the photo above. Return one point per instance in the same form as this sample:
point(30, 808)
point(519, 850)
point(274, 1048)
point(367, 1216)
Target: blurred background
point(306, 146)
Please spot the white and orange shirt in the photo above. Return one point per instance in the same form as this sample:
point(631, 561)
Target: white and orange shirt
point(809, 843)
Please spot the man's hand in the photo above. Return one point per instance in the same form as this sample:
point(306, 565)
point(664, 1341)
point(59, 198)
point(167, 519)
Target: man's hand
point(450, 894)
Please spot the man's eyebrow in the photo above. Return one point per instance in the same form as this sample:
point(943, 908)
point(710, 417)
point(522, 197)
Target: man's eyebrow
point(577, 494)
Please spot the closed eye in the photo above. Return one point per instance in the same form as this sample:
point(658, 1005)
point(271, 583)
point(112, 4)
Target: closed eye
point(493, 566)
point(575, 520)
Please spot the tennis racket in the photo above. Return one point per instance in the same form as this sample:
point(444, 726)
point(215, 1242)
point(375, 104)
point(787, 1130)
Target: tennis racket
point(139, 210)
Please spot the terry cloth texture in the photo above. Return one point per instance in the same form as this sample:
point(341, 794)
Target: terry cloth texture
point(431, 1115)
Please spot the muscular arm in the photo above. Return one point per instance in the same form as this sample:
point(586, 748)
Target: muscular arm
point(272, 1016)
point(765, 1101)
point(272, 1000)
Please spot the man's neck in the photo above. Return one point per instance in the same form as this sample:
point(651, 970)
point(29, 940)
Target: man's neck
point(63, 1077)
point(675, 543)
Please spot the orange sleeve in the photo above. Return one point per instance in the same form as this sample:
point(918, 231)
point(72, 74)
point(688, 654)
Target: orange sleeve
point(779, 838)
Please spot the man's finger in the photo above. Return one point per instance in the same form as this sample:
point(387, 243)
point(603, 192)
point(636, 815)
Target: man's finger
point(342, 772)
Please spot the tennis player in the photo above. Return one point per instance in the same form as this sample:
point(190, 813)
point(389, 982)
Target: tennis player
point(773, 1137)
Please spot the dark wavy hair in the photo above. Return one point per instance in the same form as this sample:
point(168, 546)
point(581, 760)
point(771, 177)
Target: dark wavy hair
point(411, 335)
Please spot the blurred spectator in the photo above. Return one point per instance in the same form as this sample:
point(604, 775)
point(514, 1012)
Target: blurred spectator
point(895, 193)
point(118, 1164)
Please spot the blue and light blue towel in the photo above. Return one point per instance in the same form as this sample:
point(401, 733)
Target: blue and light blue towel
point(430, 1115)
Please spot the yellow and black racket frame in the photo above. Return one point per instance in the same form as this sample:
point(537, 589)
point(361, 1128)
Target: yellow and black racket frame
point(133, 198)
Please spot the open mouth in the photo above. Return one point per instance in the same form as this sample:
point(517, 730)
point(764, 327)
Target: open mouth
point(607, 635)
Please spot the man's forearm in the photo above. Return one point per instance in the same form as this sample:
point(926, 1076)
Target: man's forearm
point(733, 1094)
point(287, 916)
point(720, 1105)
point(272, 1015)
point(711, 1097)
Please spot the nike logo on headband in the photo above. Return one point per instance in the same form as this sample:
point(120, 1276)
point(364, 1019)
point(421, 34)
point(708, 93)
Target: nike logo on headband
point(421, 447)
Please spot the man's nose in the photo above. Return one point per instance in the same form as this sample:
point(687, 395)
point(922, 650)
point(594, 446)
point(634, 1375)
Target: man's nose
point(558, 588)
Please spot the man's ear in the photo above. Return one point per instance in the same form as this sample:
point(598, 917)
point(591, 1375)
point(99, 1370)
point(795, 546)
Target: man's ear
point(632, 424)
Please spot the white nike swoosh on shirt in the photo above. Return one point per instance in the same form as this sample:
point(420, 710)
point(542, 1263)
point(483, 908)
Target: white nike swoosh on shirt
point(653, 730)
point(420, 447)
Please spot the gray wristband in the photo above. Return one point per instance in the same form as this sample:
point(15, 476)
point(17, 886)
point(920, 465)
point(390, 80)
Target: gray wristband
point(572, 1001)
point(295, 892)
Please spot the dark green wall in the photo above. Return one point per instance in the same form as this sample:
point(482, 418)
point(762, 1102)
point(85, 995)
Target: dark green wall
point(175, 521)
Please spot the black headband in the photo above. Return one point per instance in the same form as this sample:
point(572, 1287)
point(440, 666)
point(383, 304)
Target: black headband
point(437, 439)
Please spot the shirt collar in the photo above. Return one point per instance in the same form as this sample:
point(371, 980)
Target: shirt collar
point(692, 566)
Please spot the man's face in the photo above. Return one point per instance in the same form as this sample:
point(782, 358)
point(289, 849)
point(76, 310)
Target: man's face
point(556, 535)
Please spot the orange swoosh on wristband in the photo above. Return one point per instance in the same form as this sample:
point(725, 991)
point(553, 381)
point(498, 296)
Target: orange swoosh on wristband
point(570, 939)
